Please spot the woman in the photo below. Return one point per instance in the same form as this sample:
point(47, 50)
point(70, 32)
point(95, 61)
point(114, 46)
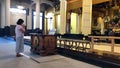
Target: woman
point(19, 31)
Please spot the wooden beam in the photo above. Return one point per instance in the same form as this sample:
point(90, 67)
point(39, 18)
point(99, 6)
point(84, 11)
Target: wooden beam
point(78, 3)
point(70, 1)
point(74, 4)
point(99, 1)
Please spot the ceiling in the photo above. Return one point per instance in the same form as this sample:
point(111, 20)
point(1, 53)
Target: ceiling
point(72, 4)
point(23, 1)
point(32, 1)
point(44, 3)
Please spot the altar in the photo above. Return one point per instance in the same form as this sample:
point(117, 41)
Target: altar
point(43, 44)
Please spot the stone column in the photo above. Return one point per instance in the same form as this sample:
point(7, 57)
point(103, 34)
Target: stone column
point(54, 20)
point(37, 13)
point(63, 8)
point(80, 20)
point(29, 20)
point(78, 24)
point(0, 15)
point(7, 12)
point(86, 17)
point(3, 17)
point(68, 22)
point(100, 24)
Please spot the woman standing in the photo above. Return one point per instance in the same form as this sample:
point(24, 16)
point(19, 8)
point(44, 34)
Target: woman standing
point(19, 31)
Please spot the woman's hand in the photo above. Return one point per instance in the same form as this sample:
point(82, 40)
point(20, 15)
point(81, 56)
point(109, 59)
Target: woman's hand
point(23, 25)
point(23, 28)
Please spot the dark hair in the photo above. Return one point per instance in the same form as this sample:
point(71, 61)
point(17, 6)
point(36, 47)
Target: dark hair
point(20, 21)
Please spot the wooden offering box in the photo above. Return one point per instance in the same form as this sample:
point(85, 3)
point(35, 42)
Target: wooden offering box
point(43, 44)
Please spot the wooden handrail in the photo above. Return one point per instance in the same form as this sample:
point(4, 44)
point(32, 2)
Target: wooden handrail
point(112, 38)
point(107, 37)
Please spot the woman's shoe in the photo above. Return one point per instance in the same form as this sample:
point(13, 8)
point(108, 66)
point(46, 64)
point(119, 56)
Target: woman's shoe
point(18, 55)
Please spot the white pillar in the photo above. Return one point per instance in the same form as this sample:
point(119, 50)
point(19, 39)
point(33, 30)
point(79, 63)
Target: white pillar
point(54, 24)
point(29, 20)
point(3, 14)
point(78, 24)
point(80, 19)
point(63, 8)
point(37, 13)
point(7, 14)
point(0, 15)
point(86, 17)
point(68, 22)
point(100, 24)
